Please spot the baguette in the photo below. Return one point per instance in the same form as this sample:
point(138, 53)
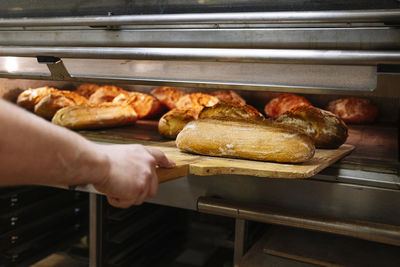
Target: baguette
point(29, 98)
point(265, 141)
point(51, 103)
point(94, 116)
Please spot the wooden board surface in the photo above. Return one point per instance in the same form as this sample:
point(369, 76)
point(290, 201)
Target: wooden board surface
point(206, 166)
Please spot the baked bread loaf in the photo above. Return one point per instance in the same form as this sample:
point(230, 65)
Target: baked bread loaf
point(172, 122)
point(230, 110)
point(264, 141)
point(93, 116)
point(229, 96)
point(106, 93)
point(51, 103)
point(87, 89)
point(29, 98)
point(354, 109)
point(325, 128)
point(195, 100)
point(145, 105)
point(168, 96)
point(283, 103)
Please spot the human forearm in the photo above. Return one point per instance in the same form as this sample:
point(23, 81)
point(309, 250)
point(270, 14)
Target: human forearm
point(33, 151)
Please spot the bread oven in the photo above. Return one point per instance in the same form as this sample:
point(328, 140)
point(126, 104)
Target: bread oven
point(259, 49)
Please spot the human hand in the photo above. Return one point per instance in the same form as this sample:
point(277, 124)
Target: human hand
point(131, 177)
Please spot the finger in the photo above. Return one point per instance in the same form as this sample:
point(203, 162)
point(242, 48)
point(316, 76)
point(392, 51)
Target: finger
point(118, 203)
point(161, 159)
point(154, 184)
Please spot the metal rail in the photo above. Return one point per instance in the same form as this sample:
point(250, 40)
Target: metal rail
point(293, 56)
point(382, 233)
point(348, 16)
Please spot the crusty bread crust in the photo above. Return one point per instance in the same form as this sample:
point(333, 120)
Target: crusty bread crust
point(195, 100)
point(229, 96)
point(172, 122)
point(145, 105)
point(231, 110)
point(264, 141)
point(168, 96)
point(106, 93)
point(284, 102)
point(51, 103)
point(325, 128)
point(30, 97)
point(354, 109)
point(94, 116)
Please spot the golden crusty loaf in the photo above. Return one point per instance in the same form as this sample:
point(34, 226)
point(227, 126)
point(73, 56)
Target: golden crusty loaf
point(284, 102)
point(196, 99)
point(51, 103)
point(231, 110)
point(354, 109)
point(87, 89)
point(326, 129)
point(168, 96)
point(106, 93)
point(94, 116)
point(30, 97)
point(172, 122)
point(229, 96)
point(264, 141)
point(145, 105)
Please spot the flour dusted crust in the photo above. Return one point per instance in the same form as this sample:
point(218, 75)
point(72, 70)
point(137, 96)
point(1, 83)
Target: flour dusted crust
point(195, 100)
point(172, 122)
point(145, 105)
point(325, 128)
point(284, 102)
point(354, 109)
point(168, 96)
point(231, 110)
point(94, 116)
point(30, 97)
point(56, 100)
point(265, 141)
point(229, 96)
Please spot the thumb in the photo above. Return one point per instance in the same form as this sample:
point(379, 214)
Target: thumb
point(161, 159)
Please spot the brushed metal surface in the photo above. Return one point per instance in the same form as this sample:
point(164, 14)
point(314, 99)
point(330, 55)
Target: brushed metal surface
point(347, 16)
point(377, 232)
point(293, 56)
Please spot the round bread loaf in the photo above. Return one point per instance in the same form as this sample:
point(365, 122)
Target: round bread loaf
point(283, 103)
point(229, 96)
point(354, 109)
point(168, 96)
point(325, 128)
point(146, 106)
point(231, 110)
